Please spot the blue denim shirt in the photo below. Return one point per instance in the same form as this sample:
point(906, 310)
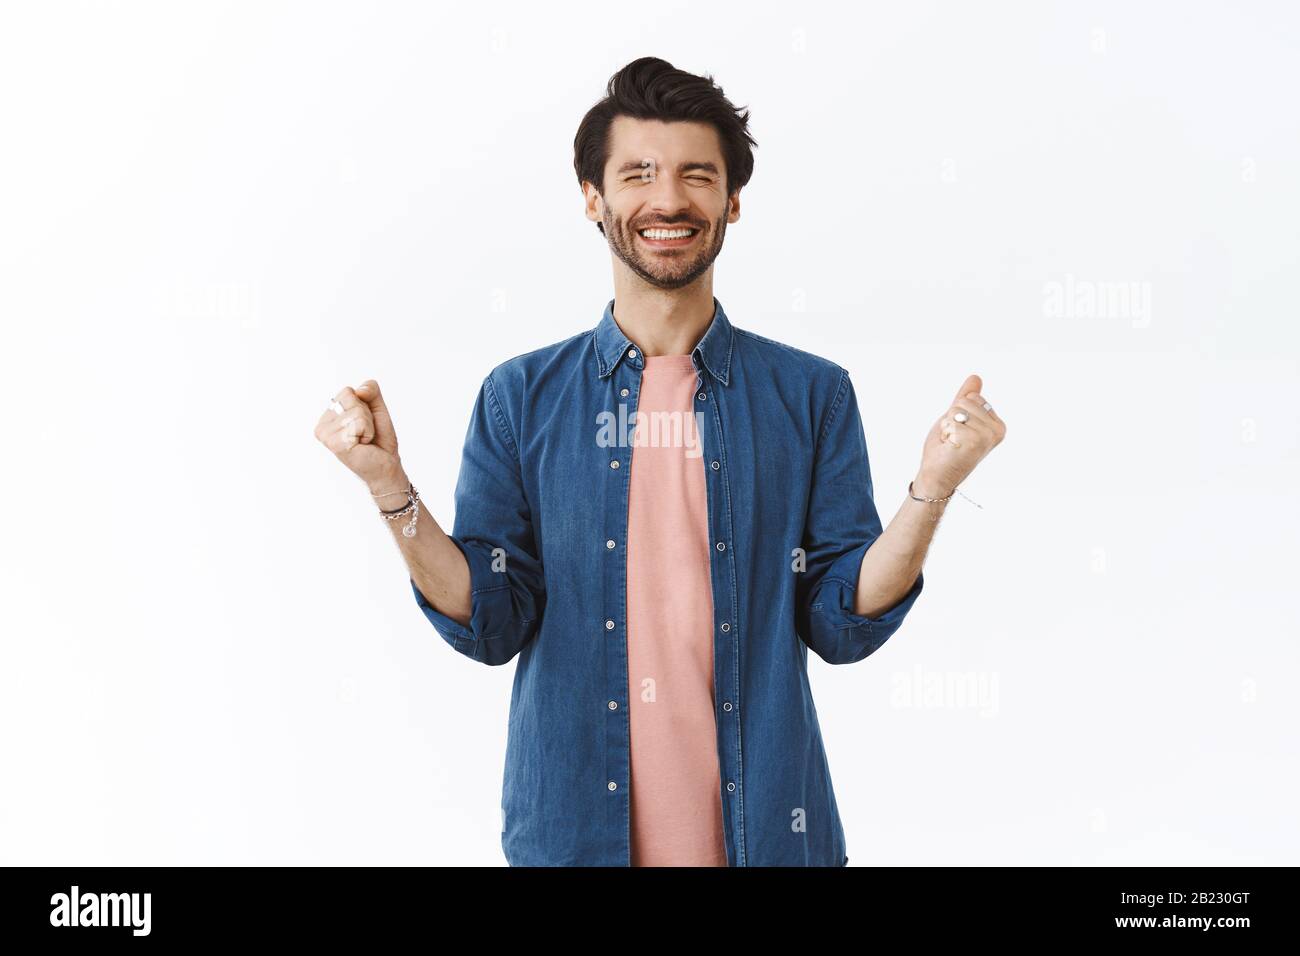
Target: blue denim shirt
point(542, 518)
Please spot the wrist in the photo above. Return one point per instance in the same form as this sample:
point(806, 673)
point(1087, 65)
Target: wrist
point(389, 488)
point(930, 486)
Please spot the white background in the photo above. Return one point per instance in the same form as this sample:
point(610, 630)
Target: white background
point(213, 216)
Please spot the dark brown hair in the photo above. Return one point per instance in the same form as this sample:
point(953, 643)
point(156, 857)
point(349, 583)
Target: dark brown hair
point(651, 88)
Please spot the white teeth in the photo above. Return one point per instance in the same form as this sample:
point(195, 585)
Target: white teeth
point(667, 233)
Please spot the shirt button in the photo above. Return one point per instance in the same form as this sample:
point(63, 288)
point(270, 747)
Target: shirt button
point(731, 785)
point(722, 546)
point(623, 392)
point(612, 785)
point(725, 626)
point(725, 706)
point(614, 463)
point(631, 353)
point(609, 625)
point(613, 705)
point(702, 396)
point(714, 465)
point(609, 544)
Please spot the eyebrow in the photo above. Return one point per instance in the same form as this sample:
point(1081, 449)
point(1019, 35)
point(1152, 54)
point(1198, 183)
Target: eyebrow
point(636, 166)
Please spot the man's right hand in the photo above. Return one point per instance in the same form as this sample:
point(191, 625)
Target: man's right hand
point(362, 437)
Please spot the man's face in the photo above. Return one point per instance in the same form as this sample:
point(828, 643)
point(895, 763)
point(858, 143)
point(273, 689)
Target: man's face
point(671, 176)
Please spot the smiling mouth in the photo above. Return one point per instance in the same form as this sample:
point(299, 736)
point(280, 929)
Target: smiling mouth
point(661, 237)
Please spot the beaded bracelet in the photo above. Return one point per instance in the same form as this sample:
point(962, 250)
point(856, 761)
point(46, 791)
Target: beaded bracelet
point(915, 497)
point(955, 491)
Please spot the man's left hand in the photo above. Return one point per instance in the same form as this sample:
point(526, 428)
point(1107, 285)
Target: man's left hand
point(954, 446)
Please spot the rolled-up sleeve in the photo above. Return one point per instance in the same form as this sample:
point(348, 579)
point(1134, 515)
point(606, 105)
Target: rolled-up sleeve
point(494, 530)
point(841, 524)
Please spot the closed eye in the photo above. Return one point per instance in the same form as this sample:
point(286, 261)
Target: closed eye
point(699, 179)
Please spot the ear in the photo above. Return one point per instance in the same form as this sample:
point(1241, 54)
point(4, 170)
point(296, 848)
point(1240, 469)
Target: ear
point(733, 201)
point(593, 202)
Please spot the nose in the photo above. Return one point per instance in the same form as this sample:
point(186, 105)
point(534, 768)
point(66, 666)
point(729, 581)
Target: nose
point(668, 197)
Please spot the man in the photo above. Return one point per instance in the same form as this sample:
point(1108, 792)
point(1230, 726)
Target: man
point(658, 517)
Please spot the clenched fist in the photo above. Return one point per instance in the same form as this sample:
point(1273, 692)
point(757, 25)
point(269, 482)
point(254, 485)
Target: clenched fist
point(361, 436)
point(958, 442)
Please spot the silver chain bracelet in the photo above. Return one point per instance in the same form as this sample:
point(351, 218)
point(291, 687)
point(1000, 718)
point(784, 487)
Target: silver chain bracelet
point(412, 508)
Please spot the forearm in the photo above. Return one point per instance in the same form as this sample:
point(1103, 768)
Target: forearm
point(892, 563)
point(433, 560)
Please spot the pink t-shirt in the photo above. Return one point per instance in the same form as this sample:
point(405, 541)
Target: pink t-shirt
point(676, 800)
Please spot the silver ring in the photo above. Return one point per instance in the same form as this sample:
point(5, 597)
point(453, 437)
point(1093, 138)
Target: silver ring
point(960, 417)
point(335, 407)
point(988, 407)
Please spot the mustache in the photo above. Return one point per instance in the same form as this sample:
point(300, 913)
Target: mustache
point(686, 223)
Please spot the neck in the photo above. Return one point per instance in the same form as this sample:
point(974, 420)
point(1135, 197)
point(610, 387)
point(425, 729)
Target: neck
point(664, 321)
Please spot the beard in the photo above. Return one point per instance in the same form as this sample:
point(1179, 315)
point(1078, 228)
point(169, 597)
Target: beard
point(666, 268)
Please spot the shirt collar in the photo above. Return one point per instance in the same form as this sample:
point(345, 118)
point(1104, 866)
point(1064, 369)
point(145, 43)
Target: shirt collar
point(713, 348)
